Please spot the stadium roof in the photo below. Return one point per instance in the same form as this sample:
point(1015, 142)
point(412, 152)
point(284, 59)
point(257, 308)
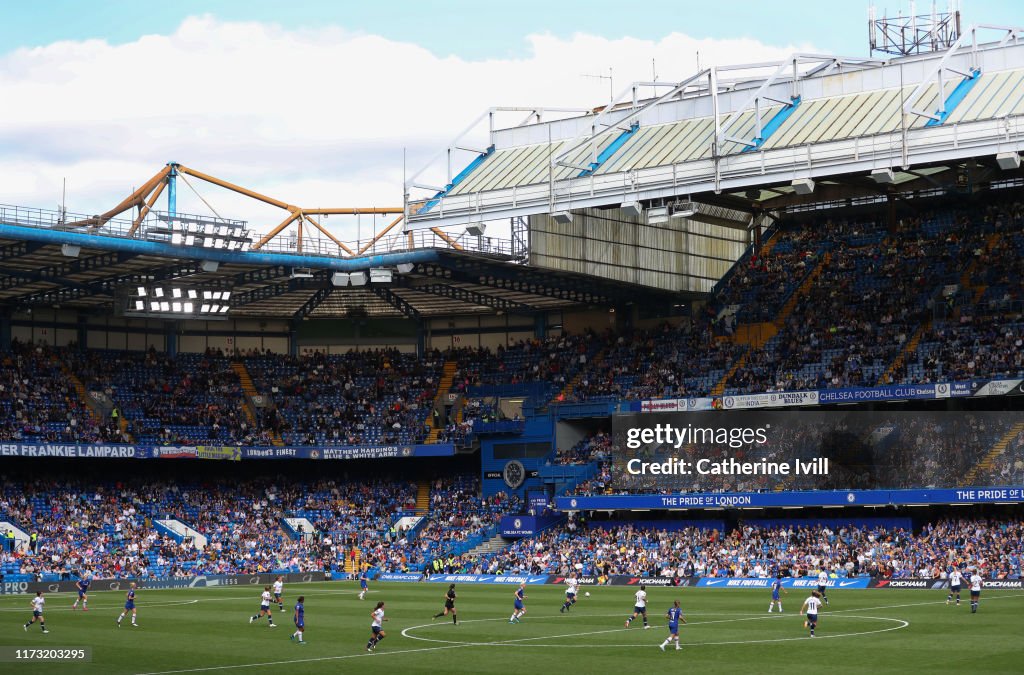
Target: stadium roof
point(45, 266)
point(736, 129)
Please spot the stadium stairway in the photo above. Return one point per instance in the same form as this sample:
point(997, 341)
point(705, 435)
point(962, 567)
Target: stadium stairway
point(719, 388)
point(443, 387)
point(571, 385)
point(249, 389)
point(908, 350)
point(96, 411)
point(492, 545)
point(353, 563)
point(993, 241)
point(801, 291)
point(989, 459)
point(422, 497)
point(756, 335)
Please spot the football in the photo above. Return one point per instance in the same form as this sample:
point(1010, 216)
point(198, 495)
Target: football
point(587, 594)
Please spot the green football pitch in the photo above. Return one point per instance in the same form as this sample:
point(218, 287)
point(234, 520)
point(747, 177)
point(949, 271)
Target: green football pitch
point(207, 630)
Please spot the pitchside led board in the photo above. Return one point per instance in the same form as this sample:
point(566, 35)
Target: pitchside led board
point(792, 450)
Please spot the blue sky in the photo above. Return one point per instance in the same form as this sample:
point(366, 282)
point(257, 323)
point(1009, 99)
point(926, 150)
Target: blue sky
point(317, 103)
point(476, 29)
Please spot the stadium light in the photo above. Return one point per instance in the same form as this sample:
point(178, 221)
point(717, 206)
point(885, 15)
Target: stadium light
point(219, 234)
point(381, 276)
point(883, 176)
point(632, 209)
point(803, 186)
point(357, 278)
point(476, 229)
point(657, 215)
point(1008, 161)
point(405, 268)
point(70, 250)
point(683, 209)
point(172, 301)
point(562, 217)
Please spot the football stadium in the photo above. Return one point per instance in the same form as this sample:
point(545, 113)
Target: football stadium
point(603, 388)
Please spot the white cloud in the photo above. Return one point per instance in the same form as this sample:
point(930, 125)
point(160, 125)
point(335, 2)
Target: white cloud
point(313, 117)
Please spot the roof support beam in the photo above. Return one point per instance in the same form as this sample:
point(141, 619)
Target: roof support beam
point(399, 303)
point(475, 298)
point(315, 301)
point(18, 249)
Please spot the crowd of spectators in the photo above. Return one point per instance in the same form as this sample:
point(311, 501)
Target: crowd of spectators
point(995, 547)
point(38, 402)
point(109, 529)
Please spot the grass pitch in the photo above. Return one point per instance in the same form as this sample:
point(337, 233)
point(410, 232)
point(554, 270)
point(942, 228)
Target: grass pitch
point(207, 630)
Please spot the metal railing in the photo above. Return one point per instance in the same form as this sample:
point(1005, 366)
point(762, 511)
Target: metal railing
point(419, 239)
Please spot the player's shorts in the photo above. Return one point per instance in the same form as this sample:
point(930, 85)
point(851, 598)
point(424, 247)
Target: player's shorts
point(129, 605)
point(975, 594)
point(264, 608)
point(518, 604)
point(449, 604)
point(821, 589)
point(363, 585)
point(775, 596)
point(571, 596)
point(300, 624)
point(81, 593)
point(639, 610)
point(36, 614)
point(673, 628)
point(376, 629)
point(954, 589)
point(277, 597)
point(812, 618)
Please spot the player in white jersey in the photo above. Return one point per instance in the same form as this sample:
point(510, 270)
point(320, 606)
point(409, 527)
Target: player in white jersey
point(572, 585)
point(811, 606)
point(278, 589)
point(37, 612)
point(976, 582)
point(264, 609)
point(640, 608)
point(823, 585)
point(376, 627)
point(955, 581)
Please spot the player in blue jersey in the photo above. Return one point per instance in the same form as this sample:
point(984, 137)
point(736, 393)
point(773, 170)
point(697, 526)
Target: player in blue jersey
point(364, 583)
point(675, 616)
point(776, 597)
point(300, 619)
point(519, 607)
point(83, 594)
point(129, 606)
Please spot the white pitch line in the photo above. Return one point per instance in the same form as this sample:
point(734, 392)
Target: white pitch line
point(293, 661)
point(514, 642)
point(49, 610)
point(461, 646)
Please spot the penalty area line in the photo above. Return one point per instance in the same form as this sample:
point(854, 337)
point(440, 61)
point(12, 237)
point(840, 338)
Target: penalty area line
point(294, 661)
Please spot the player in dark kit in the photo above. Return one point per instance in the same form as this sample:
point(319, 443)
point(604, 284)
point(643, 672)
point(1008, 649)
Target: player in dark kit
point(129, 606)
point(83, 594)
point(449, 606)
point(300, 619)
